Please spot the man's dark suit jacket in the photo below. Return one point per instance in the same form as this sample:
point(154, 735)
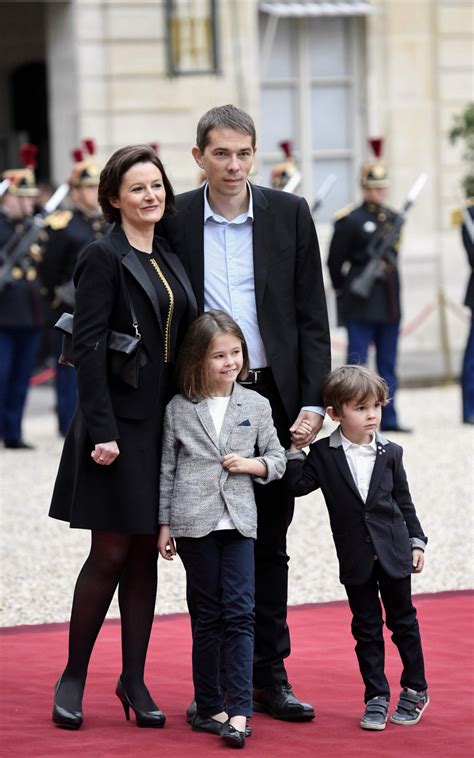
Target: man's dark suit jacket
point(381, 526)
point(289, 291)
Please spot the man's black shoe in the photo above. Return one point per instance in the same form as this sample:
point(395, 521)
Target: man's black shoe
point(280, 702)
point(17, 445)
point(191, 711)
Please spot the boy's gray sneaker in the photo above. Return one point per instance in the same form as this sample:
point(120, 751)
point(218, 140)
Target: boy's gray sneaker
point(410, 707)
point(375, 715)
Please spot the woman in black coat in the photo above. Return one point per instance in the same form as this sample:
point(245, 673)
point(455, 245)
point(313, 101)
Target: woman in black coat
point(108, 475)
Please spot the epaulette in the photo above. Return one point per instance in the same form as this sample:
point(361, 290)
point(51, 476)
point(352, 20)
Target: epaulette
point(457, 213)
point(456, 217)
point(58, 219)
point(344, 211)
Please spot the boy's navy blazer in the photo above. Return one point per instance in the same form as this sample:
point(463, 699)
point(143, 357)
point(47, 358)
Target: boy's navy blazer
point(381, 526)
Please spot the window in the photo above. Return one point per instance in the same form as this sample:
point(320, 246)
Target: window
point(192, 33)
point(310, 78)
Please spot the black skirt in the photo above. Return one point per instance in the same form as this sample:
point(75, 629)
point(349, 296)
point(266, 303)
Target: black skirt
point(122, 497)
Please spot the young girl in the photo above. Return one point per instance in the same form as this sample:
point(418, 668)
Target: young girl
point(218, 439)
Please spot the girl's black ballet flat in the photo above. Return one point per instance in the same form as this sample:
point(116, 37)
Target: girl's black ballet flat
point(232, 736)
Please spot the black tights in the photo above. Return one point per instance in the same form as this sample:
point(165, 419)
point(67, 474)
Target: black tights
point(129, 561)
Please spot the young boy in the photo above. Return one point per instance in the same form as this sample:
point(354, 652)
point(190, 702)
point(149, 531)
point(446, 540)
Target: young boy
point(379, 540)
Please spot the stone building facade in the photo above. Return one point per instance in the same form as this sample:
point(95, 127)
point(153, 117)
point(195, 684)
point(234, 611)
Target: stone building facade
point(325, 75)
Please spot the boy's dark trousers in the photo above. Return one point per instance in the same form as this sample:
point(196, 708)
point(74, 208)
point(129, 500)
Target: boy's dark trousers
point(367, 626)
point(220, 585)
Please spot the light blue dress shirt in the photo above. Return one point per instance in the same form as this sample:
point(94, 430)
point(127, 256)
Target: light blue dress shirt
point(229, 276)
point(229, 283)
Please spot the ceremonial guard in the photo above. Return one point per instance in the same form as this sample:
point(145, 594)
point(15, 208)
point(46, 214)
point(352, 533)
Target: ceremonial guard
point(20, 299)
point(69, 232)
point(467, 376)
point(375, 317)
point(286, 176)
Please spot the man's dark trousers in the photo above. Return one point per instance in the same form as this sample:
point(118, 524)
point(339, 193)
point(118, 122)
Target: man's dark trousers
point(385, 337)
point(275, 512)
point(18, 348)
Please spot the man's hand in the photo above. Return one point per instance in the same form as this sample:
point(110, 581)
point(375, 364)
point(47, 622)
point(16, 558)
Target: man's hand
point(418, 560)
point(306, 427)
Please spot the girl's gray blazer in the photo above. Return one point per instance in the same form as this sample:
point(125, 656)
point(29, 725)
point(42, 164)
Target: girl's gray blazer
point(194, 487)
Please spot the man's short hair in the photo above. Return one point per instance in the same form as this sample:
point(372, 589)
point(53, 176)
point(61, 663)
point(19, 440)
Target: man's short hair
point(224, 117)
point(353, 383)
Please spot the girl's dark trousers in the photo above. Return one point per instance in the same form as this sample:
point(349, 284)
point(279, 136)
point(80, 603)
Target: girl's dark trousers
point(221, 585)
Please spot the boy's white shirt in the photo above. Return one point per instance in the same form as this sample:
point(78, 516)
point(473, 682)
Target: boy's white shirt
point(361, 461)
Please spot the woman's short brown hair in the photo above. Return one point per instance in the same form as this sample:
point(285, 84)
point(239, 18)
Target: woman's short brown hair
point(118, 165)
point(353, 383)
point(191, 367)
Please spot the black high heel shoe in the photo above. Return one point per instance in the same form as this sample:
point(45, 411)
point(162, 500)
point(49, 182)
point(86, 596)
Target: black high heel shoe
point(62, 717)
point(155, 719)
point(232, 736)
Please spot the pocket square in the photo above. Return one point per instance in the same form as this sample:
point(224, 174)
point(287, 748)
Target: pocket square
point(245, 423)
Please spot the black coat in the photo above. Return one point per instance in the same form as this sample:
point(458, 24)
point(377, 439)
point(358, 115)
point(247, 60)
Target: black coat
point(123, 496)
point(348, 256)
point(289, 291)
point(381, 526)
point(20, 301)
point(469, 247)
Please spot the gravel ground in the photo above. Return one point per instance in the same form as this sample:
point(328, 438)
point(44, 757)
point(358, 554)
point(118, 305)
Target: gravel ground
point(41, 557)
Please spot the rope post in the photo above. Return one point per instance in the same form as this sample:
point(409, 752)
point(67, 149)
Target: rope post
point(444, 336)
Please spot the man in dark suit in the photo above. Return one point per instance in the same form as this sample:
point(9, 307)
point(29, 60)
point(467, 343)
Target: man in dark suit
point(467, 378)
point(377, 318)
point(253, 252)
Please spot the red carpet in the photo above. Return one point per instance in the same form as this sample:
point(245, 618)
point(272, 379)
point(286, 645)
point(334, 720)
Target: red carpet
point(323, 670)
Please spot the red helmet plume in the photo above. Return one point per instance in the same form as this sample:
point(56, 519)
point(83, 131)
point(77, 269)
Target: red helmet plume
point(89, 145)
point(28, 153)
point(286, 146)
point(376, 143)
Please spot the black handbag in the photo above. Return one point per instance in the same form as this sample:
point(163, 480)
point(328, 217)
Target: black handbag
point(125, 355)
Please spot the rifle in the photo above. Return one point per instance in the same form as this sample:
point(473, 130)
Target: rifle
point(322, 193)
point(467, 220)
point(4, 185)
point(13, 254)
point(293, 182)
point(380, 244)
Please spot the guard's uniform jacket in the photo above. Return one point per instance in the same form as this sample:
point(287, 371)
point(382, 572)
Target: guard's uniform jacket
point(20, 301)
point(69, 232)
point(348, 256)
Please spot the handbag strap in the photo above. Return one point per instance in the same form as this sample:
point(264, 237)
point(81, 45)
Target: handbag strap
point(132, 309)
